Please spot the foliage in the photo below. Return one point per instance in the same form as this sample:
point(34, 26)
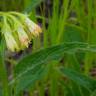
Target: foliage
point(62, 60)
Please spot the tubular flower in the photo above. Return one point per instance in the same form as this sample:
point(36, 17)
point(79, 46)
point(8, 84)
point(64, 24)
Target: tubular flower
point(23, 37)
point(33, 28)
point(18, 29)
point(10, 41)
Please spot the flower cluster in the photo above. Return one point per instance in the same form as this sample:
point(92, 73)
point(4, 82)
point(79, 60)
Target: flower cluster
point(18, 30)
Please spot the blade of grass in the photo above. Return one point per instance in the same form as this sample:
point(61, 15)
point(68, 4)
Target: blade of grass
point(62, 20)
point(89, 56)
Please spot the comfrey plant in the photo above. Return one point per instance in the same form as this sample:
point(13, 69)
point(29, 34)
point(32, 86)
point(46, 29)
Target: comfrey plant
point(18, 30)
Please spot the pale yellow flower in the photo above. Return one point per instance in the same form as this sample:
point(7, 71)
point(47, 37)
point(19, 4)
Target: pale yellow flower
point(18, 30)
point(23, 37)
point(32, 27)
point(10, 42)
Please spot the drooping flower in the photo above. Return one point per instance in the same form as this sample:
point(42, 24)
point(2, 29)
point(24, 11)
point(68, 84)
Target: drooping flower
point(32, 27)
point(23, 37)
point(10, 42)
point(9, 38)
point(18, 30)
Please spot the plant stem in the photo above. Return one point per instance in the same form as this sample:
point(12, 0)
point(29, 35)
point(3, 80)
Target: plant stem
point(62, 21)
point(54, 80)
point(3, 74)
point(89, 56)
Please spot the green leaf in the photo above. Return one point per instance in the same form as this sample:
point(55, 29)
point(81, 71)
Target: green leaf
point(93, 93)
point(33, 4)
point(29, 63)
point(67, 88)
point(30, 78)
point(73, 33)
point(1, 92)
point(78, 78)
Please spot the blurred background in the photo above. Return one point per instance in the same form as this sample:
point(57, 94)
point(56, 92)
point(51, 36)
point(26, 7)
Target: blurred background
point(61, 21)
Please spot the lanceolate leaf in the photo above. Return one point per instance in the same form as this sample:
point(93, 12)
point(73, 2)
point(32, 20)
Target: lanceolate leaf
point(30, 78)
point(53, 53)
point(32, 62)
point(78, 78)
